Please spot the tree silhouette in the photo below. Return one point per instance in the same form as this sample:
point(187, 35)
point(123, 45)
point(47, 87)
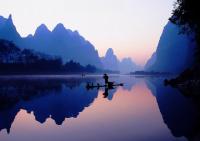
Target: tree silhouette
point(186, 15)
point(14, 60)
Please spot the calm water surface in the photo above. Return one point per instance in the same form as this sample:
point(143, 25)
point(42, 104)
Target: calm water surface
point(60, 108)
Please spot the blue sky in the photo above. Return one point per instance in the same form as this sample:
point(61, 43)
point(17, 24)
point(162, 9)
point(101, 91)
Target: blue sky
point(131, 27)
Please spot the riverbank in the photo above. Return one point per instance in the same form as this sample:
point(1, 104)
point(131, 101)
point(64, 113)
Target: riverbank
point(188, 82)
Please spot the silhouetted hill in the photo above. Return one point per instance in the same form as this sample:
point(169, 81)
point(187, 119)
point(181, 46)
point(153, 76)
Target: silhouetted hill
point(14, 60)
point(61, 42)
point(111, 62)
point(174, 53)
point(8, 30)
point(151, 61)
point(185, 16)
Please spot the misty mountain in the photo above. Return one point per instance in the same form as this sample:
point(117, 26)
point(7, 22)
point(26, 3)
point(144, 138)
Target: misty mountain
point(174, 53)
point(127, 66)
point(111, 62)
point(61, 42)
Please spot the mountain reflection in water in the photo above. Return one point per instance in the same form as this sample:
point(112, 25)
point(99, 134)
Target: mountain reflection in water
point(180, 113)
point(135, 111)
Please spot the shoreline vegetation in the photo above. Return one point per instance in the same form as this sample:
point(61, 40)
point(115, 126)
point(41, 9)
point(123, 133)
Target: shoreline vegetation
point(16, 61)
point(187, 80)
point(63, 71)
point(150, 73)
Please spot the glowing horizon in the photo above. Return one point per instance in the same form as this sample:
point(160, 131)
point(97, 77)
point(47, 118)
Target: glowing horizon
point(132, 27)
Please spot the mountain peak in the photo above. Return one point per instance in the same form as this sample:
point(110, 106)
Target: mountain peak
point(8, 29)
point(128, 60)
point(10, 21)
point(10, 17)
point(42, 29)
point(59, 27)
point(109, 52)
point(29, 36)
point(110, 61)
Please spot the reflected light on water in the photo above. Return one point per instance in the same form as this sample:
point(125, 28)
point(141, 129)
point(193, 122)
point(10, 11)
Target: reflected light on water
point(131, 114)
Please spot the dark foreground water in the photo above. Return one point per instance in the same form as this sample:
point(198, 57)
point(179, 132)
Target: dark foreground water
point(60, 108)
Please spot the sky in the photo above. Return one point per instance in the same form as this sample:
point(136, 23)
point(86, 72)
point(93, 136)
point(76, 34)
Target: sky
point(131, 27)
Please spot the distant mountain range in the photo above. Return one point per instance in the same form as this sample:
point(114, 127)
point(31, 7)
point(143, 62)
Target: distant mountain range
point(111, 62)
point(66, 44)
point(62, 42)
point(174, 53)
point(14, 60)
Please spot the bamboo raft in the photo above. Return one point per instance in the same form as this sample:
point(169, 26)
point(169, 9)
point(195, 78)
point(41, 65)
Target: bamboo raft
point(110, 85)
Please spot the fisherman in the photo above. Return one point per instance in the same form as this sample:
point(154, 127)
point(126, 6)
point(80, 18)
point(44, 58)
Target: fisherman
point(105, 77)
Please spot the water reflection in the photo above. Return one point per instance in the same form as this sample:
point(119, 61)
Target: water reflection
point(122, 113)
point(52, 98)
point(179, 112)
point(49, 97)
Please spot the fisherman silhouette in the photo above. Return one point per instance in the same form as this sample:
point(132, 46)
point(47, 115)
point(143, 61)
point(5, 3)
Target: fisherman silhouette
point(105, 77)
point(109, 85)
